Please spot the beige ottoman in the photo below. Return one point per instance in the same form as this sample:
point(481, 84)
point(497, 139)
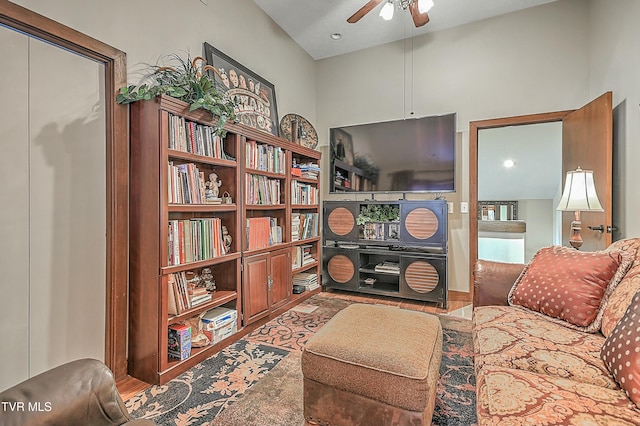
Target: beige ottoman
point(373, 365)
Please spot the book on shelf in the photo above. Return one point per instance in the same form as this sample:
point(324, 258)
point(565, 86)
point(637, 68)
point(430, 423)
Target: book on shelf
point(195, 239)
point(261, 190)
point(263, 157)
point(262, 231)
point(304, 225)
point(195, 138)
point(303, 193)
point(302, 256)
point(186, 184)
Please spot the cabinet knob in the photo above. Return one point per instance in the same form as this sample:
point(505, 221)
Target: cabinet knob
point(269, 282)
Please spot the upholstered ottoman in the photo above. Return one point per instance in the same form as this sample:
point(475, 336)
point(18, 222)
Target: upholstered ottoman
point(373, 365)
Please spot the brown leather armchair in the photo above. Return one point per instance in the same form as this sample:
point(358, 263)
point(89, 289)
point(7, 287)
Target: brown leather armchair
point(492, 282)
point(81, 392)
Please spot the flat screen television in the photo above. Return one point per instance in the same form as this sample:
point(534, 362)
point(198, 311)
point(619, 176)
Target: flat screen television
point(410, 155)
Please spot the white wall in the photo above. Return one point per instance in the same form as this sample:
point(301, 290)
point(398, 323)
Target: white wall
point(535, 60)
point(147, 30)
point(614, 37)
point(538, 214)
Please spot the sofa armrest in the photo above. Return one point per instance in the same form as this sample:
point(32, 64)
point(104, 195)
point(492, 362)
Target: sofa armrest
point(81, 392)
point(492, 282)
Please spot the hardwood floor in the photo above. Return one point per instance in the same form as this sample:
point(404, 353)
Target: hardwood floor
point(458, 302)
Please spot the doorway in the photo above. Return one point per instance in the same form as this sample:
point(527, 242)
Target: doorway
point(587, 141)
point(111, 72)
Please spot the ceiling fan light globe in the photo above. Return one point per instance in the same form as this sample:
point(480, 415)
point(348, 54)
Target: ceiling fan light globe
point(386, 12)
point(425, 5)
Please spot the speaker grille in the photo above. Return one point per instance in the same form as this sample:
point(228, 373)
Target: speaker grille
point(421, 223)
point(341, 221)
point(421, 277)
point(340, 268)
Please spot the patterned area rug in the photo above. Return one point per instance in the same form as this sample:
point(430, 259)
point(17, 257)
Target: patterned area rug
point(258, 381)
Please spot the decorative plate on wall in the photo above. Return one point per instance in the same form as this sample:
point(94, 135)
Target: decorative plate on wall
point(306, 134)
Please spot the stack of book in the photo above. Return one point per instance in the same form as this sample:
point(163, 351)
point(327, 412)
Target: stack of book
point(304, 225)
point(295, 226)
point(302, 256)
point(183, 295)
point(388, 267)
point(307, 170)
point(309, 281)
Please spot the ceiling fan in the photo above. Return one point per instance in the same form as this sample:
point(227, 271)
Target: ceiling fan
point(418, 9)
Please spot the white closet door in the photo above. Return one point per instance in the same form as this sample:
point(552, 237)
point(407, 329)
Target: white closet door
point(53, 207)
point(68, 207)
point(14, 208)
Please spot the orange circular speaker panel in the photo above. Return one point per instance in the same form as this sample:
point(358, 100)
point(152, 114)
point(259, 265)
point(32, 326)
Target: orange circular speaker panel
point(421, 277)
point(421, 223)
point(340, 268)
point(341, 221)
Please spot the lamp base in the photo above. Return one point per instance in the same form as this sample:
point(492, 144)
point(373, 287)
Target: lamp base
point(576, 239)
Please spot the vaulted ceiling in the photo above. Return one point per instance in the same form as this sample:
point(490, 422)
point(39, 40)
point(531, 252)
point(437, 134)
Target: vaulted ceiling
point(312, 22)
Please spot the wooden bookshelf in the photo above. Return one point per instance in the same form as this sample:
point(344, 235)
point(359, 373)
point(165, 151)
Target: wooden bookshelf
point(257, 283)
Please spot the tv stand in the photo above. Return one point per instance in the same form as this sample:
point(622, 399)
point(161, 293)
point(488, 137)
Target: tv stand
point(405, 257)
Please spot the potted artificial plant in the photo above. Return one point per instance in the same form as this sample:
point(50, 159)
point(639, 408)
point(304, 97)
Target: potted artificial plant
point(187, 82)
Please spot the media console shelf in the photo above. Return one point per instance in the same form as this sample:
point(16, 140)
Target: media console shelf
point(396, 248)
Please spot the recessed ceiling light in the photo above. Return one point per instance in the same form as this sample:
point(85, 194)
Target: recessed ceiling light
point(336, 36)
point(509, 163)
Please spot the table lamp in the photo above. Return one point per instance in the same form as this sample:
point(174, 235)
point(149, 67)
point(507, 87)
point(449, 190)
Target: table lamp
point(579, 195)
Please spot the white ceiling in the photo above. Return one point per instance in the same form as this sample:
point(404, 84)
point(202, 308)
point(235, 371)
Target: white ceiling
point(311, 22)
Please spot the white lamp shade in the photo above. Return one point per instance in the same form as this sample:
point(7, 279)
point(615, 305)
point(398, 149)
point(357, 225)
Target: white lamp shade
point(580, 192)
point(386, 12)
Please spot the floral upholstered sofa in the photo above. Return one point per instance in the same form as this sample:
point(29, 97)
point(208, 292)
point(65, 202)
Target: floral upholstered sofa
point(557, 341)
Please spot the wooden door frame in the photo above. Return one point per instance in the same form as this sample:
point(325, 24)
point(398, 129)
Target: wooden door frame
point(474, 128)
point(117, 167)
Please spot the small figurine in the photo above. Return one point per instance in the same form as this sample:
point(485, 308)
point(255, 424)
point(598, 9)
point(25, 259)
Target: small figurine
point(213, 189)
point(207, 279)
point(226, 238)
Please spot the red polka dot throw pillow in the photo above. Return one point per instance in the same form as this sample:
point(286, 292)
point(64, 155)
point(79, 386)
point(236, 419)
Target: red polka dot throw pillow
point(570, 286)
point(621, 351)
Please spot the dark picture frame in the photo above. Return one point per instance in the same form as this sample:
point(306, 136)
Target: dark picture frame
point(255, 97)
point(341, 145)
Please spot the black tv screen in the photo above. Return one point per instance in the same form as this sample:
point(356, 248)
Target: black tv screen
point(410, 155)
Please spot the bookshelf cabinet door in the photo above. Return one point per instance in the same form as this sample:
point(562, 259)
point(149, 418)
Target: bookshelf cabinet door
point(279, 273)
point(255, 283)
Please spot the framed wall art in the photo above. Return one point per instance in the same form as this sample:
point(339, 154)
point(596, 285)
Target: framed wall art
point(255, 97)
point(341, 145)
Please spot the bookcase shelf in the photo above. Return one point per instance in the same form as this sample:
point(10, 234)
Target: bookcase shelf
point(255, 282)
point(219, 298)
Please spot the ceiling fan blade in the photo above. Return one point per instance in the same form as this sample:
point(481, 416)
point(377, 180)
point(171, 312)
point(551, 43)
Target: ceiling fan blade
point(419, 19)
point(363, 11)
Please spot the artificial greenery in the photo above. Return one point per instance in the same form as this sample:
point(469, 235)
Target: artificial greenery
point(378, 213)
point(187, 82)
